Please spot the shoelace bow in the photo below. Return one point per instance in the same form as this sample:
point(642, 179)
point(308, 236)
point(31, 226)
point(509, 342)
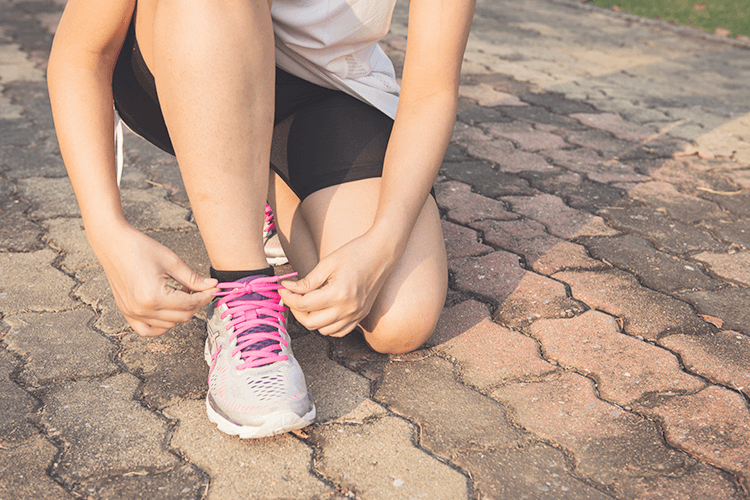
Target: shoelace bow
point(247, 315)
point(270, 222)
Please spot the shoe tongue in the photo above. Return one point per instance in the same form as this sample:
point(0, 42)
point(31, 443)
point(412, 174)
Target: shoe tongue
point(262, 328)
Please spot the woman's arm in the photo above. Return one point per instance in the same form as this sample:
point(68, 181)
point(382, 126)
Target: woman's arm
point(82, 61)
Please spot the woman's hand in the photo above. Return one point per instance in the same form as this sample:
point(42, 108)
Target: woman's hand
point(339, 292)
point(138, 269)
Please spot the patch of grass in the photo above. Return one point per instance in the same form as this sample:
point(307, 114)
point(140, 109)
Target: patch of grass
point(732, 15)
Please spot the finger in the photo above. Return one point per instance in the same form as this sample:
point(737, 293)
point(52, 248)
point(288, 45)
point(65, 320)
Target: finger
point(186, 277)
point(146, 330)
point(180, 300)
point(318, 319)
point(314, 280)
point(339, 329)
point(315, 300)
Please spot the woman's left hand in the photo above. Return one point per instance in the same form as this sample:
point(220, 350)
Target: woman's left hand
point(339, 292)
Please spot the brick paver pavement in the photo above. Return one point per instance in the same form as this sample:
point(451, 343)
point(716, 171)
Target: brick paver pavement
point(596, 337)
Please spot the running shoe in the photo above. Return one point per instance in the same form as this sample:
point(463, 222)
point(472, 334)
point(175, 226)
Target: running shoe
point(255, 385)
point(274, 253)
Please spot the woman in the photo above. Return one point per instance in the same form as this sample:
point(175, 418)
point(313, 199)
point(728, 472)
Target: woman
point(349, 186)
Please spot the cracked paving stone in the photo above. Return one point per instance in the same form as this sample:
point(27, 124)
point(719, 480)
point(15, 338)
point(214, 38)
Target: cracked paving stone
point(656, 270)
point(644, 312)
point(679, 206)
point(461, 241)
point(30, 163)
point(23, 471)
point(625, 369)
point(379, 460)
point(95, 292)
point(49, 198)
point(407, 388)
point(335, 390)
point(734, 267)
point(486, 180)
point(188, 245)
point(52, 345)
point(522, 236)
point(566, 256)
point(669, 235)
point(17, 232)
point(172, 364)
point(273, 467)
point(614, 124)
point(148, 210)
point(559, 219)
point(737, 233)
point(537, 472)
point(15, 406)
point(40, 287)
point(181, 483)
point(506, 355)
point(713, 424)
point(722, 357)
point(735, 202)
point(89, 417)
point(731, 305)
point(458, 319)
point(533, 298)
point(463, 206)
point(68, 236)
point(494, 275)
point(612, 448)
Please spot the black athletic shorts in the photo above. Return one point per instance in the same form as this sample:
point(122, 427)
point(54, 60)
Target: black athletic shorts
point(321, 137)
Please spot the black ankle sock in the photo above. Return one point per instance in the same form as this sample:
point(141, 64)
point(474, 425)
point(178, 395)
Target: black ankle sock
point(229, 276)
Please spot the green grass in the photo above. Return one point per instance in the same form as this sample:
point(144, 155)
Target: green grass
point(733, 15)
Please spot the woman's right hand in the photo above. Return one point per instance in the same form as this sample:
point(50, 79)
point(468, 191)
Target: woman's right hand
point(138, 269)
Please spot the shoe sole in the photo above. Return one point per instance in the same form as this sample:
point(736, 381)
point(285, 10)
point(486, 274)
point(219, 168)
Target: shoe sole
point(277, 261)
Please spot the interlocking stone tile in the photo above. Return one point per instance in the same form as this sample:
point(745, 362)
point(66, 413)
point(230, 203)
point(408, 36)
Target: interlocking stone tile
point(505, 355)
point(535, 472)
point(486, 180)
point(463, 133)
point(736, 233)
point(470, 112)
point(577, 191)
point(613, 124)
point(379, 460)
point(612, 448)
point(498, 129)
point(667, 234)
point(31, 162)
point(644, 312)
point(655, 269)
point(95, 292)
point(597, 226)
point(557, 103)
point(182, 483)
point(564, 256)
point(17, 232)
point(274, 467)
point(486, 95)
point(536, 297)
point(461, 241)
point(679, 206)
point(721, 357)
point(534, 141)
point(590, 164)
point(731, 200)
point(97, 441)
point(507, 158)
point(597, 140)
point(713, 425)
point(49, 197)
point(68, 236)
point(734, 267)
point(458, 319)
point(172, 364)
point(188, 245)
point(53, 345)
point(731, 305)
point(23, 471)
point(494, 275)
point(40, 287)
point(15, 405)
point(476, 419)
point(625, 369)
point(148, 210)
point(536, 114)
point(523, 236)
point(335, 390)
point(678, 173)
point(463, 206)
point(559, 219)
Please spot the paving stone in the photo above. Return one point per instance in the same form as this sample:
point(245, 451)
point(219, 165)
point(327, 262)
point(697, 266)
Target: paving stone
point(537, 114)
point(564, 256)
point(736, 233)
point(507, 158)
point(613, 124)
point(597, 227)
point(463, 134)
point(559, 219)
point(40, 287)
point(645, 313)
point(69, 237)
point(17, 232)
point(506, 356)
point(612, 448)
point(533, 298)
point(523, 236)
point(378, 460)
point(499, 129)
point(148, 210)
point(184, 482)
point(669, 235)
point(577, 191)
point(721, 357)
point(597, 140)
point(590, 164)
point(557, 103)
point(494, 275)
point(625, 369)
point(52, 345)
point(273, 467)
point(679, 206)
point(534, 141)
point(690, 181)
point(713, 424)
point(470, 112)
point(486, 180)
point(486, 95)
point(463, 206)
point(734, 267)
point(171, 364)
point(731, 305)
point(97, 442)
point(461, 241)
point(34, 162)
point(50, 198)
point(23, 471)
point(537, 472)
point(456, 320)
point(655, 269)
point(95, 292)
point(188, 245)
point(15, 406)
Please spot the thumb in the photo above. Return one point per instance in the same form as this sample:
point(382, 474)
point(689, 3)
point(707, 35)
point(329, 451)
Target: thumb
point(314, 280)
point(186, 277)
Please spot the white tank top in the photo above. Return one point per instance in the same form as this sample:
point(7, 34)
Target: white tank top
point(334, 43)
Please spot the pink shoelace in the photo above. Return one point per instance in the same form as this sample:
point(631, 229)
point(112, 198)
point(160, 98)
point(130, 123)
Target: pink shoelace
point(270, 222)
point(254, 320)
